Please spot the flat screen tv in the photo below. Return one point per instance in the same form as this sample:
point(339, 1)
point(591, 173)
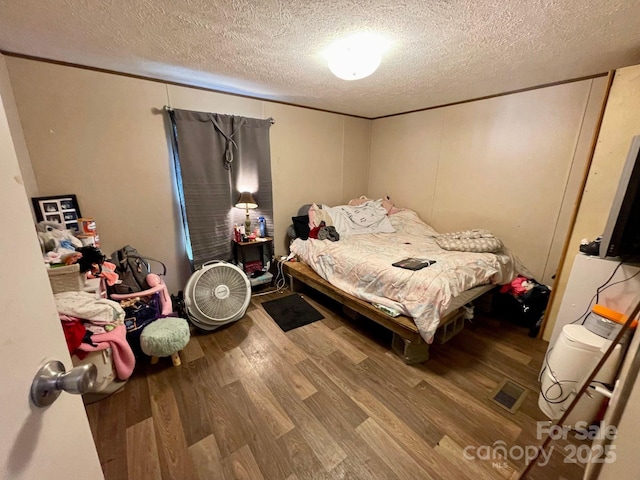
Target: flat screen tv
point(621, 236)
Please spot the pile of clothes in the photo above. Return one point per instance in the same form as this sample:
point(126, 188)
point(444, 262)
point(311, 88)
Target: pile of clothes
point(91, 324)
point(60, 246)
point(519, 286)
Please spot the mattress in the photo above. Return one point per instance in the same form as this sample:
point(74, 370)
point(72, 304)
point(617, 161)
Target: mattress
point(361, 265)
point(466, 297)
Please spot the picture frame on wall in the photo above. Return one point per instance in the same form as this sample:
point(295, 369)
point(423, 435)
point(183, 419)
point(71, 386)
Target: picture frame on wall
point(53, 217)
point(63, 209)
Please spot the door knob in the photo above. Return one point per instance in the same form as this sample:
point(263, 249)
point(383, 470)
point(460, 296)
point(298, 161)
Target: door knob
point(52, 379)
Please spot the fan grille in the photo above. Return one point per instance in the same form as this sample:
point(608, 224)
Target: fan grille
point(220, 293)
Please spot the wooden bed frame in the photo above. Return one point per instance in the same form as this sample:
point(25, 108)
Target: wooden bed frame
point(406, 342)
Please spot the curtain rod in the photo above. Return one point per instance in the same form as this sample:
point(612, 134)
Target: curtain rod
point(167, 108)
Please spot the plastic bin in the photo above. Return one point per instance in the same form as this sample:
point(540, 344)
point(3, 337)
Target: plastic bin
point(606, 322)
point(103, 360)
point(567, 366)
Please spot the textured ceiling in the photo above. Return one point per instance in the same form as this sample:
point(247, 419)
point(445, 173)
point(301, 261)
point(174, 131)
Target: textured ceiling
point(443, 51)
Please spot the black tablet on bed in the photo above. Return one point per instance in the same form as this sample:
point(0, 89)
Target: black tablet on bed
point(413, 263)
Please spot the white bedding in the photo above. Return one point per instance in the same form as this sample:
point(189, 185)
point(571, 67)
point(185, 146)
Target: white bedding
point(361, 266)
point(370, 217)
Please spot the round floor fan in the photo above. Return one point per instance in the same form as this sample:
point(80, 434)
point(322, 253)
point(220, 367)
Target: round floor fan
point(216, 294)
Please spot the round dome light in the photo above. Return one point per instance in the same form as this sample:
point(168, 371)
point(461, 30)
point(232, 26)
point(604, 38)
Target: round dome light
point(355, 57)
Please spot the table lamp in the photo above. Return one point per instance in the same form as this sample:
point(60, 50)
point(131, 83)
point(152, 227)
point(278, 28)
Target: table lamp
point(246, 201)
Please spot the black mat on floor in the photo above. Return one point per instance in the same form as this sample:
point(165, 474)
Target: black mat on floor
point(291, 312)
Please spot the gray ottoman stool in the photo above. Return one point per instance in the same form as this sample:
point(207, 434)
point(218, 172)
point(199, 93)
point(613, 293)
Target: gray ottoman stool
point(165, 337)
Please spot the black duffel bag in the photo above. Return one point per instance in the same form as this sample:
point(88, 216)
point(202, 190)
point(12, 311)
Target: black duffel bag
point(132, 269)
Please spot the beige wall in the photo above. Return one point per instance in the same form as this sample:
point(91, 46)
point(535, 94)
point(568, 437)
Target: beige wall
point(502, 164)
point(104, 137)
point(306, 164)
point(97, 135)
point(404, 156)
point(620, 123)
point(15, 127)
point(355, 176)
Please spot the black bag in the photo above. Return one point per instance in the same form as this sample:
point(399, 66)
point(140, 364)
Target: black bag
point(132, 269)
point(137, 316)
point(177, 302)
point(525, 310)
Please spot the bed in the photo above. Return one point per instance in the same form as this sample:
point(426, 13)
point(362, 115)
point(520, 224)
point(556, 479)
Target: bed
point(357, 270)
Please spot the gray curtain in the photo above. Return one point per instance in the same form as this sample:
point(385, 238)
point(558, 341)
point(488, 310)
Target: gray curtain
point(216, 158)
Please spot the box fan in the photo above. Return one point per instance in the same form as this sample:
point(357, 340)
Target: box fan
point(216, 294)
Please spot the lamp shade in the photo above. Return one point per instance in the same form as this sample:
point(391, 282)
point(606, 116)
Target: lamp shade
point(246, 200)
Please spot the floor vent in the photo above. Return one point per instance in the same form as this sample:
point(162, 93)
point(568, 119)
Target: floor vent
point(509, 395)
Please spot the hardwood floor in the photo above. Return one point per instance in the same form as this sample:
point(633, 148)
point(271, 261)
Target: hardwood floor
point(325, 401)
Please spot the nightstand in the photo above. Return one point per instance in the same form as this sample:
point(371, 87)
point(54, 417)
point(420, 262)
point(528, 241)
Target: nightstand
point(262, 247)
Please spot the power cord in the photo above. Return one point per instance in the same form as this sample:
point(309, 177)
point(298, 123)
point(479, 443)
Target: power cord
point(557, 400)
point(555, 383)
point(562, 396)
point(601, 289)
point(280, 281)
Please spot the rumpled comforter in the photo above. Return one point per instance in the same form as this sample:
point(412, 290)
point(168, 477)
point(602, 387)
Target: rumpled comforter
point(370, 217)
point(361, 266)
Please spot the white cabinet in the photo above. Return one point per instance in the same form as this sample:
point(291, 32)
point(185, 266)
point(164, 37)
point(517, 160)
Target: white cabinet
point(587, 274)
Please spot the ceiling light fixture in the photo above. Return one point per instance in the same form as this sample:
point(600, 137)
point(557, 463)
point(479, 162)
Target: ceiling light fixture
point(357, 56)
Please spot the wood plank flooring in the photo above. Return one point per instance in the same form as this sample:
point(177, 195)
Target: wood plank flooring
point(326, 401)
